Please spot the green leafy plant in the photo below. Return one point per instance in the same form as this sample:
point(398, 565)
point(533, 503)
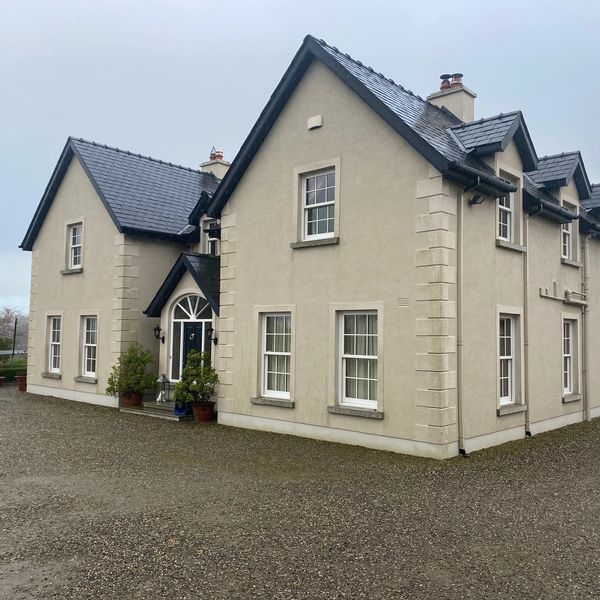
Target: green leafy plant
point(198, 380)
point(129, 375)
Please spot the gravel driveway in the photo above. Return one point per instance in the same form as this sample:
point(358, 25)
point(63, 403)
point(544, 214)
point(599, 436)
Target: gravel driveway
point(98, 504)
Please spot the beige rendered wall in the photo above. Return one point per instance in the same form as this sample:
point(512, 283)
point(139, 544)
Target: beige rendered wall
point(119, 278)
point(396, 254)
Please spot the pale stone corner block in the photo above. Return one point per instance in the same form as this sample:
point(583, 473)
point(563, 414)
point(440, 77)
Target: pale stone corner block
point(438, 417)
point(128, 250)
point(225, 325)
point(437, 239)
point(228, 273)
point(430, 187)
point(442, 345)
point(433, 380)
point(226, 378)
point(441, 204)
point(436, 274)
point(226, 312)
point(128, 336)
point(227, 299)
point(434, 327)
point(227, 247)
point(433, 291)
point(227, 221)
point(123, 261)
point(435, 434)
point(436, 398)
point(441, 309)
point(226, 351)
point(127, 293)
point(432, 362)
point(433, 256)
point(433, 222)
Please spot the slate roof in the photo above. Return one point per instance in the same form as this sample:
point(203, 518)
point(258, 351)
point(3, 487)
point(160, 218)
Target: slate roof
point(425, 126)
point(536, 199)
point(485, 132)
point(204, 268)
point(143, 195)
point(555, 168)
point(594, 200)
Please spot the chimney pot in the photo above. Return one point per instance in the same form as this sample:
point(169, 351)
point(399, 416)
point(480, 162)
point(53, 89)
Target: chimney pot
point(445, 81)
point(456, 79)
point(212, 154)
point(219, 154)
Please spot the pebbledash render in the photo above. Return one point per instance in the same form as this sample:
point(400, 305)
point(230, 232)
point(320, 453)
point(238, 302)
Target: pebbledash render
point(373, 268)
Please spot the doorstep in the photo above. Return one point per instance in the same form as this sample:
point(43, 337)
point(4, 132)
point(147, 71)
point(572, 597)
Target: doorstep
point(157, 410)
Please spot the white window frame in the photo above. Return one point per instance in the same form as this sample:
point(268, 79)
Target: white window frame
point(343, 358)
point(54, 343)
point(210, 241)
point(266, 354)
point(75, 243)
point(506, 210)
point(566, 239)
point(306, 208)
point(87, 347)
point(568, 354)
point(508, 360)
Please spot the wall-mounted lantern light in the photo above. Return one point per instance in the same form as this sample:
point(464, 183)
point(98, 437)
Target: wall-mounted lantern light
point(209, 335)
point(157, 335)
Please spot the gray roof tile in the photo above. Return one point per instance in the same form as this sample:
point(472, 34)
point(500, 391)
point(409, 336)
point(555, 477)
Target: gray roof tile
point(144, 193)
point(594, 200)
point(554, 168)
point(491, 130)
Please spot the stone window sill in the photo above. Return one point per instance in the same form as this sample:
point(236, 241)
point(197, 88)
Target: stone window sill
point(571, 398)
point(570, 263)
point(82, 379)
point(71, 271)
point(352, 411)
point(282, 403)
point(510, 409)
point(313, 243)
point(48, 375)
point(510, 246)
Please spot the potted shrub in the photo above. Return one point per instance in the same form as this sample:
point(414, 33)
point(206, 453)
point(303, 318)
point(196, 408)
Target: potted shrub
point(129, 378)
point(197, 386)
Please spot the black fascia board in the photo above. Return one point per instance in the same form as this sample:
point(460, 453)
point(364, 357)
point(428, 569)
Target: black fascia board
point(310, 50)
point(168, 286)
point(48, 196)
point(524, 143)
point(534, 206)
point(261, 128)
point(488, 184)
point(161, 235)
point(97, 188)
point(487, 149)
point(582, 182)
point(201, 206)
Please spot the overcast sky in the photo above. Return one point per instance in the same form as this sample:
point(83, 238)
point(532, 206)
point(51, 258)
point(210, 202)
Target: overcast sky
point(172, 78)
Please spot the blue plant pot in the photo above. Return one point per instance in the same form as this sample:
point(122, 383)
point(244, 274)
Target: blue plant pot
point(182, 411)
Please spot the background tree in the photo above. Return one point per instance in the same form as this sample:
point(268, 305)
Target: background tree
point(7, 324)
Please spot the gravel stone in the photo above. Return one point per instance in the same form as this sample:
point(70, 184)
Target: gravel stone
point(99, 504)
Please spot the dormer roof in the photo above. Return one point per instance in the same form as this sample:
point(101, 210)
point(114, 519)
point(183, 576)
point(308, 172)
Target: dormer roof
point(493, 134)
point(559, 170)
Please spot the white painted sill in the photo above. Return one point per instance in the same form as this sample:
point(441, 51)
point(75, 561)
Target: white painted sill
point(50, 375)
point(571, 398)
point(71, 271)
point(82, 379)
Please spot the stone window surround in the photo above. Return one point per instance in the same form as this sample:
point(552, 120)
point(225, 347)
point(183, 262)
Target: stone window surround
point(298, 198)
point(516, 212)
point(576, 387)
point(335, 309)
point(67, 245)
point(81, 314)
point(518, 353)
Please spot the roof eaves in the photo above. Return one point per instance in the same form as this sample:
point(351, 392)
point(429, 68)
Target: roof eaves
point(47, 197)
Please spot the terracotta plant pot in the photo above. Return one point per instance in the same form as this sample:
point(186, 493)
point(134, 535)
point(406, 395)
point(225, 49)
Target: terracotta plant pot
point(21, 382)
point(204, 411)
point(131, 399)
point(2, 380)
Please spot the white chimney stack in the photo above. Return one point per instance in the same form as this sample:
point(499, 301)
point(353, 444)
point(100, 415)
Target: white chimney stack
point(215, 164)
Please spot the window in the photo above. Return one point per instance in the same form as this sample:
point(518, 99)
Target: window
point(75, 234)
point(318, 205)
point(358, 356)
point(568, 355)
point(54, 344)
point(507, 358)
point(90, 344)
point(505, 218)
point(211, 239)
point(277, 354)
point(566, 241)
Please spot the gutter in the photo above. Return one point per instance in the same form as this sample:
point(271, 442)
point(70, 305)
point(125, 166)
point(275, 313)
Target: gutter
point(489, 184)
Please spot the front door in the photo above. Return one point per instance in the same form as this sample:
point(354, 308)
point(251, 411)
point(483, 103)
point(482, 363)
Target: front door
point(193, 338)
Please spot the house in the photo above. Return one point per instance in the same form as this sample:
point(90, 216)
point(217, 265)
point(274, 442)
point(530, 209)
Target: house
point(384, 270)
point(105, 234)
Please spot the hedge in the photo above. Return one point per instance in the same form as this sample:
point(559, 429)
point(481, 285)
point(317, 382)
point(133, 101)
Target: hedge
point(12, 368)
